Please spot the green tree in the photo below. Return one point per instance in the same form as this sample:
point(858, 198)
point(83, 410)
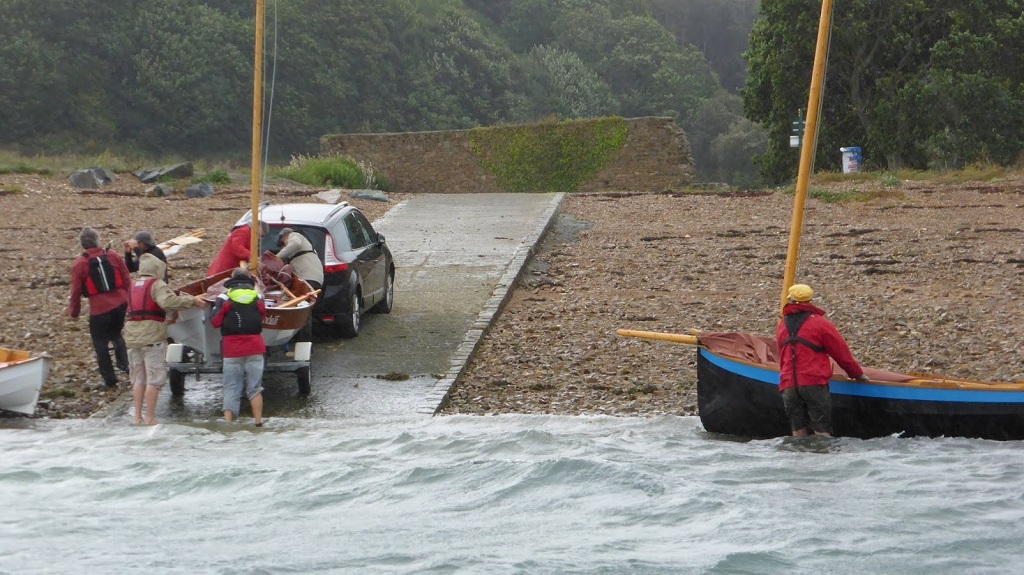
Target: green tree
point(568, 88)
point(30, 83)
point(466, 75)
point(733, 151)
point(720, 29)
point(914, 83)
point(191, 83)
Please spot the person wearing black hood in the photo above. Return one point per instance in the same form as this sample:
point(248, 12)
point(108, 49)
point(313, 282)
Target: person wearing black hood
point(239, 314)
point(142, 243)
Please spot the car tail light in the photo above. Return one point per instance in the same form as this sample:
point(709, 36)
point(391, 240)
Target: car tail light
point(331, 262)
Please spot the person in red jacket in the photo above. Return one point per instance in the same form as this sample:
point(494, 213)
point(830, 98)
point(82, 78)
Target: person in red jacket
point(107, 290)
point(235, 249)
point(239, 314)
point(806, 340)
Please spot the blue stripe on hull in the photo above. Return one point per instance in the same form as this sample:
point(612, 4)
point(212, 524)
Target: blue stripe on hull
point(873, 390)
point(739, 399)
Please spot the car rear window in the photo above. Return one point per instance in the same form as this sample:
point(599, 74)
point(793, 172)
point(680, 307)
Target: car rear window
point(314, 235)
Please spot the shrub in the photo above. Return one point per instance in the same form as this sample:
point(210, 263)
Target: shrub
point(333, 171)
point(217, 176)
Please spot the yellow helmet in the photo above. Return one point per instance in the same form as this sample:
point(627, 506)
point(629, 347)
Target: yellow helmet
point(801, 293)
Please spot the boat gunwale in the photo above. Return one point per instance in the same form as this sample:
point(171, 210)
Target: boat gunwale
point(938, 384)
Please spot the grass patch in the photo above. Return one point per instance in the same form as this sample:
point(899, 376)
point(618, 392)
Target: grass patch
point(889, 180)
point(830, 197)
point(24, 169)
point(10, 189)
point(13, 162)
point(972, 173)
point(332, 171)
point(217, 176)
point(839, 177)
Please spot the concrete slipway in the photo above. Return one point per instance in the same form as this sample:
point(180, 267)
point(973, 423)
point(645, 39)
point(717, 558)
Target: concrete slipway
point(457, 258)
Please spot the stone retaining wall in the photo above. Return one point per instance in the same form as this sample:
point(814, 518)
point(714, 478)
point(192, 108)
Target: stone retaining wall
point(655, 157)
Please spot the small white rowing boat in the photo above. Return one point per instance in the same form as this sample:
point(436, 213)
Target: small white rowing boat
point(21, 378)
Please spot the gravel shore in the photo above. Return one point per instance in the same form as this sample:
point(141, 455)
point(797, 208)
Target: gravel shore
point(919, 278)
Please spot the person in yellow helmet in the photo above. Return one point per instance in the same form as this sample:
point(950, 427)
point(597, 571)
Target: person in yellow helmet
point(806, 340)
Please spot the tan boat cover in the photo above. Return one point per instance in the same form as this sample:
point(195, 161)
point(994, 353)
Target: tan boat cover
point(762, 351)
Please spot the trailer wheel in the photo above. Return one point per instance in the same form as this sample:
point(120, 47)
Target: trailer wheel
point(302, 377)
point(177, 381)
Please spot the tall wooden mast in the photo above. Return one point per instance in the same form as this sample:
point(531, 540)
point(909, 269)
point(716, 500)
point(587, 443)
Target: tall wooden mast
point(807, 146)
point(257, 133)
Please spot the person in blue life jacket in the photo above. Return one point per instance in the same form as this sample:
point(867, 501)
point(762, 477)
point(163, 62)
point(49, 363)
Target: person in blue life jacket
point(145, 333)
point(239, 313)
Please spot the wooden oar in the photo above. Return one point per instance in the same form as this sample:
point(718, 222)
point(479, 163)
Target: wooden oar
point(297, 300)
point(287, 291)
point(673, 337)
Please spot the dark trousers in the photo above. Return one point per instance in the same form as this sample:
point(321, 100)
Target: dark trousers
point(306, 333)
point(105, 329)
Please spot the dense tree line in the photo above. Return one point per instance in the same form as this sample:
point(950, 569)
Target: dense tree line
point(163, 78)
point(917, 84)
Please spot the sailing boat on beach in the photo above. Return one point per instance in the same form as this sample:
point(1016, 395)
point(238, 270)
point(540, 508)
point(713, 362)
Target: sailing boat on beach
point(289, 299)
point(738, 373)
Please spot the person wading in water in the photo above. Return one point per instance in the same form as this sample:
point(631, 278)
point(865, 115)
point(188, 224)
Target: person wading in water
point(806, 340)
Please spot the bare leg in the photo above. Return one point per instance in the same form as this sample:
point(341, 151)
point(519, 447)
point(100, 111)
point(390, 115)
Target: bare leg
point(152, 394)
point(229, 415)
point(256, 403)
point(802, 432)
point(823, 433)
point(138, 391)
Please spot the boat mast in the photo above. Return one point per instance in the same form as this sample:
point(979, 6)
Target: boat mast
point(807, 146)
point(257, 131)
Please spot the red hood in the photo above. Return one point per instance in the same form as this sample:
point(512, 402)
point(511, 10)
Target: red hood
point(798, 307)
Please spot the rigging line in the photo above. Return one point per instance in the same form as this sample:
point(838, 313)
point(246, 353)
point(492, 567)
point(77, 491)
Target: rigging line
point(268, 105)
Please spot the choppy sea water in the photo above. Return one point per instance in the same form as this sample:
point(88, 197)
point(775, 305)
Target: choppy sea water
point(506, 494)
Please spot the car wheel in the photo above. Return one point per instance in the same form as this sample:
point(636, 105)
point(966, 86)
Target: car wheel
point(176, 379)
point(384, 306)
point(302, 378)
point(349, 325)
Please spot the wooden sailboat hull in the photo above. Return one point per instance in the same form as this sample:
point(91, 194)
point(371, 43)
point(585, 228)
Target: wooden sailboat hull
point(740, 398)
point(21, 379)
point(191, 327)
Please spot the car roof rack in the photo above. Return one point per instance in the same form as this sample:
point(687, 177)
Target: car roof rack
point(338, 208)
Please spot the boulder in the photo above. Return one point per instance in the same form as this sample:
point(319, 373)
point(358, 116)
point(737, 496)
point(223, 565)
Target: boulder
point(91, 178)
point(176, 171)
point(159, 191)
point(203, 190)
point(375, 195)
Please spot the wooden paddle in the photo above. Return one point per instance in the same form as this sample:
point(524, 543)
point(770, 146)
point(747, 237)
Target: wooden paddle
point(287, 291)
point(673, 337)
point(297, 300)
